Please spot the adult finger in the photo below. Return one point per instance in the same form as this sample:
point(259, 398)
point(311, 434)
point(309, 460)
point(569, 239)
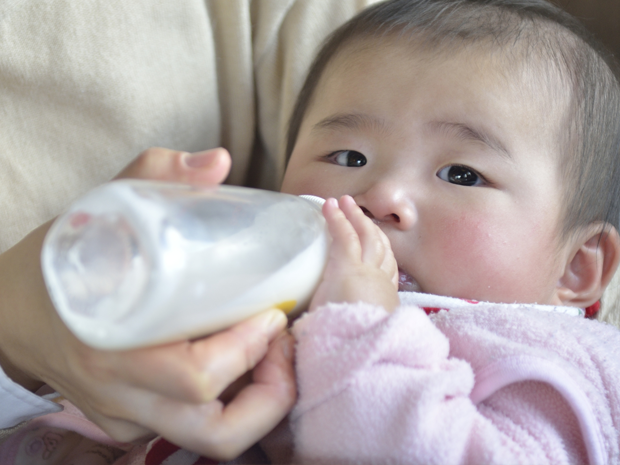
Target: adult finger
point(209, 167)
point(198, 371)
point(224, 431)
point(147, 383)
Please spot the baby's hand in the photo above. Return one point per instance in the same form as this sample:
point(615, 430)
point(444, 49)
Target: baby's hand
point(361, 265)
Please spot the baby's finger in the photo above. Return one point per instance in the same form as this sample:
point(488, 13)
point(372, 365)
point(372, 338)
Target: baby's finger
point(372, 244)
point(389, 264)
point(345, 241)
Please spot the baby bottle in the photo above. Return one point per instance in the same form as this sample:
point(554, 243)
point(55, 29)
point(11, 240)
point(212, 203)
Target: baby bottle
point(135, 263)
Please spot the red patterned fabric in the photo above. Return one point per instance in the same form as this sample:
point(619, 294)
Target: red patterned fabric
point(593, 309)
point(163, 450)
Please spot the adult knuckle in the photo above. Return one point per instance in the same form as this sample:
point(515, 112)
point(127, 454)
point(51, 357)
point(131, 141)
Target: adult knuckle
point(205, 390)
point(149, 157)
point(145, 157)
point(93, 363)
point(222, 445)
point(251, 344)
point(123, 431)
point(201, 381)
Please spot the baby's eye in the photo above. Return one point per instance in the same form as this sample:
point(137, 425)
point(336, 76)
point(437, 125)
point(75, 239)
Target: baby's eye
point(460, 174)
point(348, 158)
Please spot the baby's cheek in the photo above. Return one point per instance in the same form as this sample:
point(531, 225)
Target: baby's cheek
point(481, 259)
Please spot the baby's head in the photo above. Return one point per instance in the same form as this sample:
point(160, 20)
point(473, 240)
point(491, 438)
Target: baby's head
point(481, 135)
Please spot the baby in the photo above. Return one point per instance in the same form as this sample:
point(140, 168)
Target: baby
point(474, 149)
point(482, 138)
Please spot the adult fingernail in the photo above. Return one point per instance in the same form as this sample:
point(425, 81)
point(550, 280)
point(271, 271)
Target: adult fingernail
point(273, 321)
point(288, 346)
point(200, 159)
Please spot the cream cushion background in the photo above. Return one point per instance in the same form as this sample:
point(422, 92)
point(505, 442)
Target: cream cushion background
point(87, 85)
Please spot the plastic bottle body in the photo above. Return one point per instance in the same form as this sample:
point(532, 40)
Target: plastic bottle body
point(136, 263)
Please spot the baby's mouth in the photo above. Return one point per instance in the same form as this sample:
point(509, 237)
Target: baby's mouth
point(406, 283)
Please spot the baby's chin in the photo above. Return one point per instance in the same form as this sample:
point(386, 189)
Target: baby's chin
point(406, 283)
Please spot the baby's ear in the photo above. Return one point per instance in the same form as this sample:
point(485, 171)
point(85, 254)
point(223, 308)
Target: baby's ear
point(593, 260)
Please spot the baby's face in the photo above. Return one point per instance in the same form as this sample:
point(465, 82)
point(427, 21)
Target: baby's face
point(457, 163)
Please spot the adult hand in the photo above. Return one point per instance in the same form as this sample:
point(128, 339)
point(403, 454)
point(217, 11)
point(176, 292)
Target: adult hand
point(170, 390)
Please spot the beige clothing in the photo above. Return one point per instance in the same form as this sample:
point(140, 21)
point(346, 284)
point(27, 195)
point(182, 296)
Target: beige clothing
point(87, 85)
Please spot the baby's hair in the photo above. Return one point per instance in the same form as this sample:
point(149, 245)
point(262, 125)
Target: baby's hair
point(536, 34)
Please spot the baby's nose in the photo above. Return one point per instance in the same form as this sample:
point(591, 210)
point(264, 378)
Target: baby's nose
point(368, 213)
point(386, 207)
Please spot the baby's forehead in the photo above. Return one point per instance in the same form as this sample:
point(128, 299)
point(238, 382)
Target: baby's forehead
point(527, 63)
point(527, 75)
point(541, 54)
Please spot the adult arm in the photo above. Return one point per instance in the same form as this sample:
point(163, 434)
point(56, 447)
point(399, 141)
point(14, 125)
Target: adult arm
point(169, 390)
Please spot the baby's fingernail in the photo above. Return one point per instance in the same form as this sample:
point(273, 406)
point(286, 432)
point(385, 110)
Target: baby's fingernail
point(200, 159)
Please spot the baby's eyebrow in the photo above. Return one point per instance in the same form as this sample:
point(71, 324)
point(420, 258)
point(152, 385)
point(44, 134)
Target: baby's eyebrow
point(351, 121)
point(465, 132)
point(364, 122)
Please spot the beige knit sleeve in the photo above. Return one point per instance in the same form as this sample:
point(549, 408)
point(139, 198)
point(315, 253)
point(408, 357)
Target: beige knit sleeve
point(610, 303)
point(282, 56)
point(86, 86)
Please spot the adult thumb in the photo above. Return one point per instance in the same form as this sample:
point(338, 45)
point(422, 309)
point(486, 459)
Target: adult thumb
point(201, 168)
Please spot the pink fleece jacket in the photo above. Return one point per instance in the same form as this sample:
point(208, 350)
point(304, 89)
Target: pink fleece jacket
point(477, 384)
